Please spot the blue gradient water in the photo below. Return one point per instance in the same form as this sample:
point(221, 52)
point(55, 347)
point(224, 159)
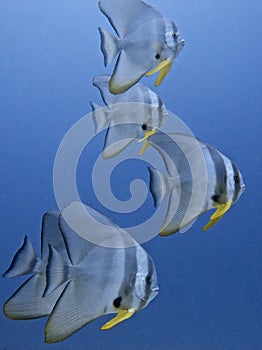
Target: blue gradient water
point(210, 283)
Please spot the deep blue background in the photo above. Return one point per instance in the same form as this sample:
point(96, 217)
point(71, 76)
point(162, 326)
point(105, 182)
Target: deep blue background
point(210, 283)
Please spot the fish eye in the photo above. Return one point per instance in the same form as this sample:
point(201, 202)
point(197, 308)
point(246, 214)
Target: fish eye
point(175, 35)
point(157, 56)
point(237, 179)
point(117, 302)
point(144, 127)
point(148, 279)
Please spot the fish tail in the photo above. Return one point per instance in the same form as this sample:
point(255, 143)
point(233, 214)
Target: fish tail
point(109, 46)
point(100, 117)
point(24, 261)
point(159, 185)
point(27, 302)
point(56, 271)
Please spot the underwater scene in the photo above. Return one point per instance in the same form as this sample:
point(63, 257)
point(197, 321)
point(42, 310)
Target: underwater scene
point(131, 165)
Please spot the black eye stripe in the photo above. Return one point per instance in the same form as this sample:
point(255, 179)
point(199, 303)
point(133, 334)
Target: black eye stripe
point(237, 179)
point(215, 198)
point(148, 279)
point(221, 173)
point(237, 182)
point(117, 302)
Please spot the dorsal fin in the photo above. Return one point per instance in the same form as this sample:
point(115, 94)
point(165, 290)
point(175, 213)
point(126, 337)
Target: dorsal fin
point(51, 235)
point(132, 10)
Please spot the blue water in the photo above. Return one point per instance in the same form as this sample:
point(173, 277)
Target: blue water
point(210, 283)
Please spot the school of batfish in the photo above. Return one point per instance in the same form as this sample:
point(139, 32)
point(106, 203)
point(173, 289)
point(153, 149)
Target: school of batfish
point(75, 281)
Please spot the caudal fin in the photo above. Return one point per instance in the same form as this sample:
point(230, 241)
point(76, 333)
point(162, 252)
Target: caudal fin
point(24, 261)
point(109, 46)
point(26, 302)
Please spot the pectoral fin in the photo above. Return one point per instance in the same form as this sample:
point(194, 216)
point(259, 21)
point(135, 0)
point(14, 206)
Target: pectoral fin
point(163, 68)
point(145, 138)
point(121, 316)
point(219, 213)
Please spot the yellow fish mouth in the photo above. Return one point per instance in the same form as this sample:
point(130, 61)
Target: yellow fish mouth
point(218, 214)
point(163, 68)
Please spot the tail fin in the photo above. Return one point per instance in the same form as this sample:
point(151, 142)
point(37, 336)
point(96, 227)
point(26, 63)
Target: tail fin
point(159, 185)
point(24, 261)
point(109, 46)
point(100, 117)
point(29, 301)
